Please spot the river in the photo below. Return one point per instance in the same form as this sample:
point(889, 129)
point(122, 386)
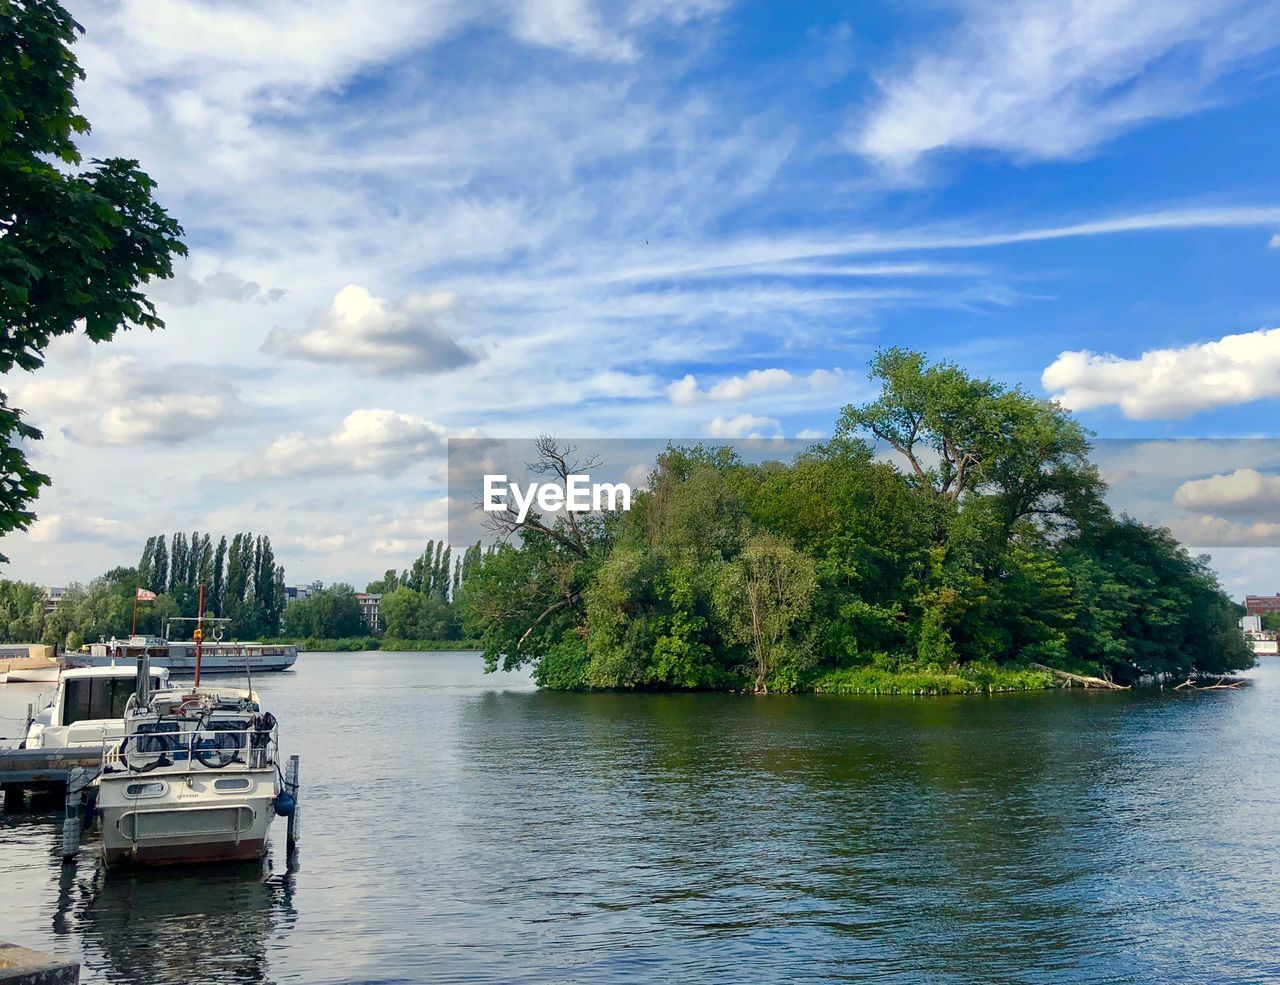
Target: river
point(459, 827)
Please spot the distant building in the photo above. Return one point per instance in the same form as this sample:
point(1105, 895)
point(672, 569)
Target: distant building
point(369, 608)
point(1262, 641)
point(296, 593)
point(1260, 605)
point(54, 595)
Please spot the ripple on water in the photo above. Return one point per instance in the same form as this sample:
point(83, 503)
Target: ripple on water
point(465, 828)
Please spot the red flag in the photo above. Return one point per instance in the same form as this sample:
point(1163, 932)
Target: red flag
point(142, 595)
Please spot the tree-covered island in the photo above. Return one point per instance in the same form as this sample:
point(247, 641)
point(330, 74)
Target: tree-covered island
point(982, 554)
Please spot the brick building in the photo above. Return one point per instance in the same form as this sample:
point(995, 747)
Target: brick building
point(1259, 605)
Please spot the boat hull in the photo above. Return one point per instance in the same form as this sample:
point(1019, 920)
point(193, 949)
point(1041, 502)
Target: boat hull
point(33, 675)
point(161, 818)
point(248, 850)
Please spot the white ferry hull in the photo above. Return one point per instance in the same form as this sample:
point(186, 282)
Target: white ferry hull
point(210, 663)
point(189, 821)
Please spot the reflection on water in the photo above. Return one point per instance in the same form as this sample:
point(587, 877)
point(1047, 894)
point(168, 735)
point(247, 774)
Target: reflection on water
point(210, 923)
point(459, 827)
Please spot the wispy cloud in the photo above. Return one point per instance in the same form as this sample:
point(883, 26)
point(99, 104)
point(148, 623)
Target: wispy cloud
point(1051, 79)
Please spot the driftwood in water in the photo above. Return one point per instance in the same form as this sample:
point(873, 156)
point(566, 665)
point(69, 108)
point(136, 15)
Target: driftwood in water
point(1082, 680)
point(1223, 684)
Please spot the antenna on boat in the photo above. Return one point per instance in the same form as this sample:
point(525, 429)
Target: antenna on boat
point(198, 635)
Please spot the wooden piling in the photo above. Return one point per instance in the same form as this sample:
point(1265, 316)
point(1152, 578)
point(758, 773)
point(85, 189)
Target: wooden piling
point(291, 785)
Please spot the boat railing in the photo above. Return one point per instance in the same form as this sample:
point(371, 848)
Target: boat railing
point(220, 748)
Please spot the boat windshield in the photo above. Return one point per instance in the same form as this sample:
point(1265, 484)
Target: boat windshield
point(95, 698)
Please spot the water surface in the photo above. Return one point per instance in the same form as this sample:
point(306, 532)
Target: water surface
point(460, 827)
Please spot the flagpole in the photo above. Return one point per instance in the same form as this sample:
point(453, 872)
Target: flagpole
point(134, 630)
point(199, 635)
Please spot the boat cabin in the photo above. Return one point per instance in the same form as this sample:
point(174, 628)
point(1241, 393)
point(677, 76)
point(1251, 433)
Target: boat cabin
point(88, 707)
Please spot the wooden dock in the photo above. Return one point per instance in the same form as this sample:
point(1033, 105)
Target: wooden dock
point(41, 769)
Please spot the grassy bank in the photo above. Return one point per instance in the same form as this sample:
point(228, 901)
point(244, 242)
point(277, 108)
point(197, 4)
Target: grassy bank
point(974, 678)
point(358, 643)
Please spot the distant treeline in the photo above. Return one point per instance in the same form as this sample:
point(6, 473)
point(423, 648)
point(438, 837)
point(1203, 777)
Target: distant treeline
point(243, 583)
point(990, 549)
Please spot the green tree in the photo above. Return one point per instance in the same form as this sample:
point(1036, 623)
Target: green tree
point(75, 247)
point(960, 435)
point(766, 596)
point(159, 577)
point(327, 613)
point(410, 615)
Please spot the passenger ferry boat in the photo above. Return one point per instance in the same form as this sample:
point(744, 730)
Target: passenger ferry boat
point(194, 779)
point(218, 657)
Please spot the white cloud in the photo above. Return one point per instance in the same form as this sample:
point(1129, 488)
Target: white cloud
point(1215, 531)
point(312, 543)
point(1274, 242)
point(403, 533)
point(736, 389)
point(70, 528)
point(756, 381)
point(373, 440)
point(811, 434)
point(370, 333)
point(1235, 369)
point(1242, 492)
point(1049, 79)
point(223, 285)
point(743, 426)
point(123, 401)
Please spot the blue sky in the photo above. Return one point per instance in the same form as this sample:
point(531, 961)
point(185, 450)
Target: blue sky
point(651, 218)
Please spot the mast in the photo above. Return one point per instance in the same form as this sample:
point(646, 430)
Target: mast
point(198, 635)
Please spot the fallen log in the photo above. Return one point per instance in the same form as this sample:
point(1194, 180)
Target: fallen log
point(1224, 684)
point(1082, 680)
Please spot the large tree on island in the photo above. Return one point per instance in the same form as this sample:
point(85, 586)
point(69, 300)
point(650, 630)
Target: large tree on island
point(960, 434)
point(75, 247)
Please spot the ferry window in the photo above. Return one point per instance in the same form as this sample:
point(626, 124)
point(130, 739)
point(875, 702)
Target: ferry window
point(232, 783)
point(92, 698)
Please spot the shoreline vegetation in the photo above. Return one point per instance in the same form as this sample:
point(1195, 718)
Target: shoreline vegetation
point(981, 557)
point(356, 644)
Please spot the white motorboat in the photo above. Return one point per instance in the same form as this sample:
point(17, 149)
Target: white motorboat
point(33, 675)
point(194, 779)
point(88, 707)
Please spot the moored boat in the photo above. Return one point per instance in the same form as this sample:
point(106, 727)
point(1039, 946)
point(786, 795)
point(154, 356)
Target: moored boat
point(217, 657)
point(194, 779)
point(35, 673)
point(88, 707)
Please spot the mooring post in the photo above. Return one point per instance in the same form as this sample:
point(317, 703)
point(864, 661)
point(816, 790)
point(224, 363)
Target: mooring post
point(291, 785)
point(77, 778)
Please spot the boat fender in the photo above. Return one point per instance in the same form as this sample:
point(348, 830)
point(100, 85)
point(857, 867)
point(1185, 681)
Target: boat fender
point(285, 804)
